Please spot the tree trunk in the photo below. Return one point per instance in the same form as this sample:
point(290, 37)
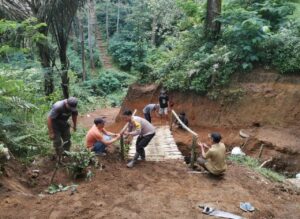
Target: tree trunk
point(106, 22)
point(213, 27)
point(118, 16)
point(82, 49)
point(74, 35)
point(45, 59)
point(153, 32)
point(91, 27)
point(64, 69)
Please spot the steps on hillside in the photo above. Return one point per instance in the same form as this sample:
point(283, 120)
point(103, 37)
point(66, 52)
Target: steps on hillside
point(105, 58)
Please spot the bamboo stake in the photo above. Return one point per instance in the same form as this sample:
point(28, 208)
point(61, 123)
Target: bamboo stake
point(122, 147)
point(122, 138)
point(265, 162)
point(260, 151)
point(193, 154)
point(172, 121)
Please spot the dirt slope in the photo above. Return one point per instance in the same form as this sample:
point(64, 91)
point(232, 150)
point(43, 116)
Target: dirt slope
point(156, 190)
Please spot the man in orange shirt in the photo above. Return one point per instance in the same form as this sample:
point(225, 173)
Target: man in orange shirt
point(97, 138)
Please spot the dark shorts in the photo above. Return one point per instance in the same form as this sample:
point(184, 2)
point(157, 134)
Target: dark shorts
point(147, 117)
point(62, 136)
point(99, 147)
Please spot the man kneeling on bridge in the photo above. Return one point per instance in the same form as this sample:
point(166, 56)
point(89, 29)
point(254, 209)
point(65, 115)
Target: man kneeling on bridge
point(214, 159)
point(141, 127)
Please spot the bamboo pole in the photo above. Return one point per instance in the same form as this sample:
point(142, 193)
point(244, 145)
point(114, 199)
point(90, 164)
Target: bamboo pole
point(172, 121)
point(193, 152)
point(194, 141)
point(183, 125)
point(122, 147)
point(122, 138)
point(261, 150)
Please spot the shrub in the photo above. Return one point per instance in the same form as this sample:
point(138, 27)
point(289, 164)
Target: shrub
point(80, 160)
point(108, 82)
point(126, 53)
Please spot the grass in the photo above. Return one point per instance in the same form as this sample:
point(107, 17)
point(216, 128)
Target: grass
point(254, 164)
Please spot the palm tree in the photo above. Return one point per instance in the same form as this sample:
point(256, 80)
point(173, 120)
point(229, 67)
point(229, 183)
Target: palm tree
point(58, 15)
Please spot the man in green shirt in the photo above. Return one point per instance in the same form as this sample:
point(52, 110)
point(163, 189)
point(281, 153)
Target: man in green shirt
point(214, 159)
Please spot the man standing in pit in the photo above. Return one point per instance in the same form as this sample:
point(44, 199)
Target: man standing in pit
point(149, 109)
point(163, 106)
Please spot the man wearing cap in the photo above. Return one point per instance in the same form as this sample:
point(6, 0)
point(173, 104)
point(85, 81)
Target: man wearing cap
point(149, 109)
point(145, 131)
point(58, 126)
point(98, 138)
point(214, 160)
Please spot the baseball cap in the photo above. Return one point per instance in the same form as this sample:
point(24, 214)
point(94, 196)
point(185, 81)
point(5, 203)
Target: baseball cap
point(72, 102)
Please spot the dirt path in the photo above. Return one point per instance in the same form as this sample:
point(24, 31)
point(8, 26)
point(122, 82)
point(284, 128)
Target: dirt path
point(108, 114)
point(105, 58)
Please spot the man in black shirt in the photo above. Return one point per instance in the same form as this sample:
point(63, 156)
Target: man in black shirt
point(163, 105)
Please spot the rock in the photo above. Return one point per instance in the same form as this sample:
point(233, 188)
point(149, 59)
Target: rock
point(298, 176)
point(243, 134)
point(295, 182)
point(237, 151)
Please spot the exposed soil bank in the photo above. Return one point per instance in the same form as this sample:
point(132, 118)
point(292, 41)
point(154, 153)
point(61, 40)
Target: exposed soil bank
point(150, 190)
point(265, 104)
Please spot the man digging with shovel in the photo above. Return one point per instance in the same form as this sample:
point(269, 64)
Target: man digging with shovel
point(58, 126)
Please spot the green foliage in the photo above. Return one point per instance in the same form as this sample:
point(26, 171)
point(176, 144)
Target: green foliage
point(251, 34)
point(20, 109)
point(284, 48)
point(109, 81)
point(55, 188)
point(13, 33)
point(127, 54)
point(80, 160)
point(254, 164)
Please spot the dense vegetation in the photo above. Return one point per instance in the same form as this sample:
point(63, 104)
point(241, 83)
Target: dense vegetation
point(46, 55)
point(183, 56)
